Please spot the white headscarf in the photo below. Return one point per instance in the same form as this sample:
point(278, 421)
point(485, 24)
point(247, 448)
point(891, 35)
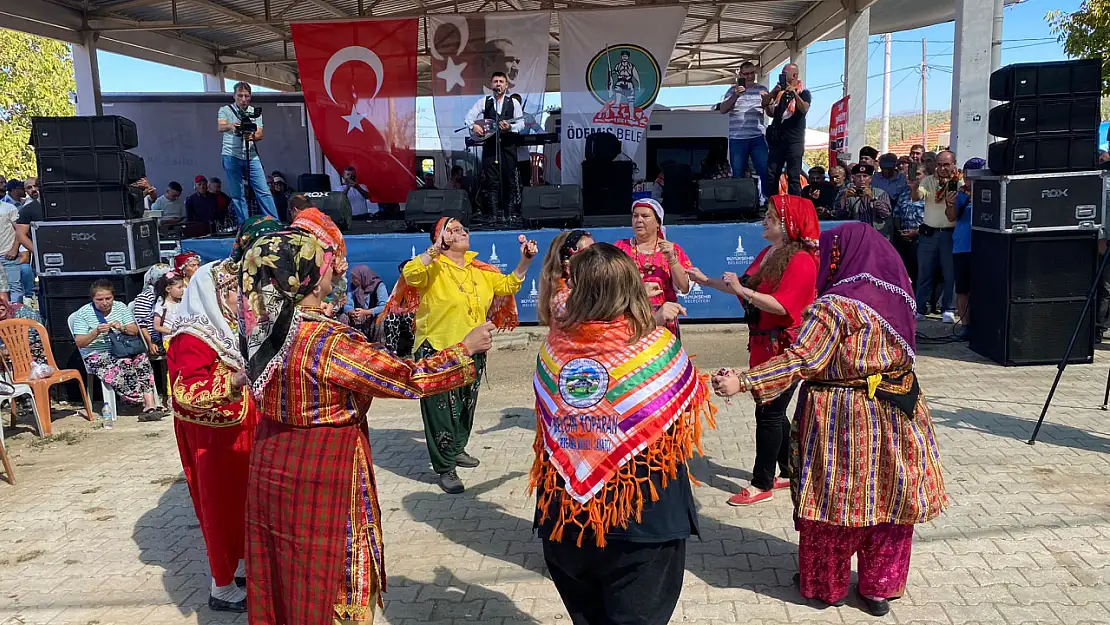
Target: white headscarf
point(656, 208)
point(201, 311)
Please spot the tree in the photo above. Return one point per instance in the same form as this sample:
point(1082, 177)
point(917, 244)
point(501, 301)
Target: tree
point(36, 79)
point(1086, 34)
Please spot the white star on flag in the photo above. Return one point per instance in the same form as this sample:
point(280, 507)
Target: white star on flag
point(452, 74)
point(354, 120)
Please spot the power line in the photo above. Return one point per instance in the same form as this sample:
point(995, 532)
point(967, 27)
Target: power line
point(841, 82)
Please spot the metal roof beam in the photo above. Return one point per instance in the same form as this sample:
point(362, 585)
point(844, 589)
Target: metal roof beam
point(818, 21)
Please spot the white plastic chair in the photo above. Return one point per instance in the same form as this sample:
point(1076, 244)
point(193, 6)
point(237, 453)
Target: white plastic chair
point(20, 391)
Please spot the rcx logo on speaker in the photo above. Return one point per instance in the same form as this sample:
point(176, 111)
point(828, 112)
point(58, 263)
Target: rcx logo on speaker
point(1053, 193)
point(82, 236)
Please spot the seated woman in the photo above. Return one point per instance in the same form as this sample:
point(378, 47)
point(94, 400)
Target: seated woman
point(619, 412)
point(131, 378)
point(367, 299)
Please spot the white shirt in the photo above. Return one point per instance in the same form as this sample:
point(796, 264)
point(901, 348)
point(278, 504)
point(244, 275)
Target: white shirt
point(359, 205)
point(8, 215)
point(477, 112)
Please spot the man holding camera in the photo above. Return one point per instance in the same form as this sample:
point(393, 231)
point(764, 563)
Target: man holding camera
point(863, 202)
point(241, 124)
point(787, 104)
point(743, 104)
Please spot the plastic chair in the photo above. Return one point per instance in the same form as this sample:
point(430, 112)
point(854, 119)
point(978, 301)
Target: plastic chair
point(4, 453)
point(19, 390)
point(15, 335)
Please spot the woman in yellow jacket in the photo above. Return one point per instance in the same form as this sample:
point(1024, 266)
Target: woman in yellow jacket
point(452, 293)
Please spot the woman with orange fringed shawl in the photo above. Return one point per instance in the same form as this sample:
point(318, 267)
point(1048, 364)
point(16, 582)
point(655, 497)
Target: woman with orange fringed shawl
point(452, 292)
point(619, 410)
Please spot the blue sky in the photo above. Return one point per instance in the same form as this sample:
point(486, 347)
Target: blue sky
point(1026, 37)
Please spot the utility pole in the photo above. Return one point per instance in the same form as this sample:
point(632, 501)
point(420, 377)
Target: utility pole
point(924, 107)
point(884, 134)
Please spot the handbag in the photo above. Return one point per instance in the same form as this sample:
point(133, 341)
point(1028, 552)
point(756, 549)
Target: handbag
point(121, 345)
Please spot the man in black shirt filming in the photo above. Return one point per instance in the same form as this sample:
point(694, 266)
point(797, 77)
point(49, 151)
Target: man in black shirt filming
point(787, 104)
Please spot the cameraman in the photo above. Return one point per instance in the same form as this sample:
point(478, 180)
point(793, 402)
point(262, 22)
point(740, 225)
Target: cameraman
point(787, 104)
point(236, 125)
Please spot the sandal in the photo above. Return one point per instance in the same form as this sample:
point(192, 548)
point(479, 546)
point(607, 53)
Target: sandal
point(746, 497)
point(151, 414)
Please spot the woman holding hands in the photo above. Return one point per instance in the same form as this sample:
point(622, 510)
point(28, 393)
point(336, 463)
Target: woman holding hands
point(452, 293)
point(774, 291)
point(659, 261)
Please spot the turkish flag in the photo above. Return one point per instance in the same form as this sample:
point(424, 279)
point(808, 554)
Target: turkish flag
point(359, 83)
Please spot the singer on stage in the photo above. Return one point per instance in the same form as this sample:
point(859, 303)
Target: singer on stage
point(500, 186)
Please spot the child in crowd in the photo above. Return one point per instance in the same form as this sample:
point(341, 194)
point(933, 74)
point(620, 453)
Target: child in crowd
point(170, 288)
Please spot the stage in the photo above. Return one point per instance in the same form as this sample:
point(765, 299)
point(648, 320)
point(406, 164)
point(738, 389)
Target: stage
point(714, 248)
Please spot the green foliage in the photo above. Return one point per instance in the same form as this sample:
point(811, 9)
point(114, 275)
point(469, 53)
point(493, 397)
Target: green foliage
point(36, 79)
point(1085, 34)
point(814, 158)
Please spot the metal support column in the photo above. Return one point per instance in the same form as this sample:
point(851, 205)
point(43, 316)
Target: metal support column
point(857, 29)
point(86, 72)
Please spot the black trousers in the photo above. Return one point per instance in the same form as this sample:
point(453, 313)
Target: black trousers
point(1102, 310)
point(772, 441)
point(625, 583)
point(785, 155)
point(501, 190)
point(907, 249)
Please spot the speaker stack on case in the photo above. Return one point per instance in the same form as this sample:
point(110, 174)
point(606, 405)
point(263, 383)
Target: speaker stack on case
point(1036, 215)
point(93, 224)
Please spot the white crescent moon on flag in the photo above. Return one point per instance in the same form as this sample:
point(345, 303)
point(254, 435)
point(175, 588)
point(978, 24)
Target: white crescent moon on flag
point(459, 22)
point(354, 53)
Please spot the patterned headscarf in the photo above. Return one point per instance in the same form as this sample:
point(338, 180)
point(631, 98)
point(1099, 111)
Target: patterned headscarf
point(319, 225)
point(203, 311)
point(183, 259)
point(799, 221)
point(155, 273)
point(277, 272)
point(249, 232)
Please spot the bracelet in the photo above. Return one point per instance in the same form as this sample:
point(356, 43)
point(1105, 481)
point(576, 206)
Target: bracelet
point(433, 251)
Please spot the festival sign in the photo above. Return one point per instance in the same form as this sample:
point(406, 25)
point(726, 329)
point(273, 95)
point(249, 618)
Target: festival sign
point(612, 66)
point(838, 129)
point(467, 49)
point(359, 83)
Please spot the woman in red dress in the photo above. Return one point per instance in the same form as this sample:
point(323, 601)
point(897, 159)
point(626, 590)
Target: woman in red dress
point(776, 288)
point(659, 260)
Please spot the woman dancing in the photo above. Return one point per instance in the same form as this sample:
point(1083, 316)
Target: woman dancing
point(774, 291)
point(865, 462)
point(659, 260)
point(314, 536)
point(454, 293)
point(619, 410)
point(214, 422)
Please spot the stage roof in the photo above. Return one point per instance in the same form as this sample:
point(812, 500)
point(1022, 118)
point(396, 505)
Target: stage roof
point(249, 39)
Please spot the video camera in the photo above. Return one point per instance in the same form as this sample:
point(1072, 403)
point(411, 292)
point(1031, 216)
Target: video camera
point(246, 119)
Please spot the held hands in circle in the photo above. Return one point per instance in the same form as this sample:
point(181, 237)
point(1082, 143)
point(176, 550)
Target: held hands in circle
point(653, 289)
point(697, 275)
point(239, 380)
point(726, 383)
point(528, 249)
point(667, 248)
point(668, 312)
point(479, 340)
point(733, 281)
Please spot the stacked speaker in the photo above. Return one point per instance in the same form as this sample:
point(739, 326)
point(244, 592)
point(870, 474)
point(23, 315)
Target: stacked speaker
point(93, 223)
point(1037, 215)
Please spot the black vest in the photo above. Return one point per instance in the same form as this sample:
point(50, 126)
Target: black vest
point(492, 113)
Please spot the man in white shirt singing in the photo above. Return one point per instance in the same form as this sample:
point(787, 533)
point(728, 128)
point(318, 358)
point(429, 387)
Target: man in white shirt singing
point(499, 169)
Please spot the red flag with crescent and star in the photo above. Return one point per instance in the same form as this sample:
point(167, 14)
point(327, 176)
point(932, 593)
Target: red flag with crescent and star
point(359, 83)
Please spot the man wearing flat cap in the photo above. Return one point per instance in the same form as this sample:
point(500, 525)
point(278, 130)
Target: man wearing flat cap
point(865, 203)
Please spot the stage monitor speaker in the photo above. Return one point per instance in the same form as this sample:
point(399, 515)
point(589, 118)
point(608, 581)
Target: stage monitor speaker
point(738, 196)
point(552, 205)
point(602, 147)
point(425, 206)
point(89, 132)
point(1041, 155)
point(1024, 81)
point(1077, 116)
point(607, 187)
point(680, 191)
point(1027, 291)
point(320, 183)
point(334, 204)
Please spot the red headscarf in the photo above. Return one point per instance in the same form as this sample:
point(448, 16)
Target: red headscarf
point(322, 227)
point(799, 221)
point(183, 259)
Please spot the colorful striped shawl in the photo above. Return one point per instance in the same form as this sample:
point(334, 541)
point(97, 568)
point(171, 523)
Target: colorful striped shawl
point(604, 407)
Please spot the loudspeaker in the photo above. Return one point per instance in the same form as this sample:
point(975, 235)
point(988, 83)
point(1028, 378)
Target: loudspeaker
point(334, 204)
point(602, 147)
point(1047, 116)
point(96, 132)
point(555, 205)
point(104, 167)
point(1027, 291)
point(313, 182)
point(680, 192)
point(424, 207)
point(607, 187)
point(76, 202)
point(1043, 154)
point(726, 195)
point(1023, 81)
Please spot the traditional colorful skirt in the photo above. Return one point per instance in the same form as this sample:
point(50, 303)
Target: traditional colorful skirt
point(314, 549)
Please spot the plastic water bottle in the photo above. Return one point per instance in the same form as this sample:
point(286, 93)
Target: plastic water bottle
point(108, 417)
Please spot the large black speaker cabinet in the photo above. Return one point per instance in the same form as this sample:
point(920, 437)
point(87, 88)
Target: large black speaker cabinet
point(551, 205)
point(1022, 81)
point(1027, 292)
point(334, 204)
point(680, 191)
point(314, 182)
point(607, 187)
point(1048, 116)
point(1043, 154)
point(602, 147)
point(424, 207)
point(736, 196)
point(96, 132)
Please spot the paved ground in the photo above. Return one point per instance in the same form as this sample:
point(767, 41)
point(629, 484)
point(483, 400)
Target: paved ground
point(100, 529)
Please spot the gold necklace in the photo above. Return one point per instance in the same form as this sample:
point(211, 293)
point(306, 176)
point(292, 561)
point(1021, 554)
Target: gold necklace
point(471, 304)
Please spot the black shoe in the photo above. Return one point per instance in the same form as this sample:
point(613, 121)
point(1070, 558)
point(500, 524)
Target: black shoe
point(466, 461)
point(878, 607)
point(219, 605)
point(798, 584)
point(241, 582)
point(450, 483)
point(151, 414)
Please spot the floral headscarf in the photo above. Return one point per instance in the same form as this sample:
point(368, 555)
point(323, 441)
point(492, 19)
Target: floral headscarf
point(249, 232)
point(204, 314)
point(319, 225)
point(277, 272)
point(153, 274)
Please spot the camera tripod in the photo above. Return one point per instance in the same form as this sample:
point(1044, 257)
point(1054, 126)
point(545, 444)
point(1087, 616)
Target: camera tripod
point(1092, 296)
